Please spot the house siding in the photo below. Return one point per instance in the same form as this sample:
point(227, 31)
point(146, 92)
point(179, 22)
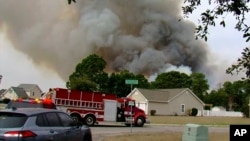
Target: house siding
point(34, 93)
point(160, 108)
point(188, 100)
point(171, 107)
point(14, 93)
point(138, 96)
point(10, 95)
point(32, 90)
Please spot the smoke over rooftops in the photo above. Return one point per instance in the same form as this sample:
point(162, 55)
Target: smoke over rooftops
point(143, 36)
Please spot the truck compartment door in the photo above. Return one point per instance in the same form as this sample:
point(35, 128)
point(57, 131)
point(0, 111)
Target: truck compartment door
point(110, 110)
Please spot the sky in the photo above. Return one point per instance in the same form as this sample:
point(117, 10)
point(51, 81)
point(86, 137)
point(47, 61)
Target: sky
point(16, 67)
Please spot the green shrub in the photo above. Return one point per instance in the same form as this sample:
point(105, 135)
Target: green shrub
point(207, 107)
point(175, 114)
point(245, 110)
point(152, 112)
point(188, 112)
point(5, 101)
point(194, 112)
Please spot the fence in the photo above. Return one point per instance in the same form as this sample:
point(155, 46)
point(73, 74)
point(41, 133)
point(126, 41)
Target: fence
point(221, 113)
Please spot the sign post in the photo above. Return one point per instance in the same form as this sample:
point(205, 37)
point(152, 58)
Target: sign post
point(131, 82)
point(131, 103)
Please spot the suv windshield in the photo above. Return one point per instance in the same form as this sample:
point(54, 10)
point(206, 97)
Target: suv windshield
point(12, 120)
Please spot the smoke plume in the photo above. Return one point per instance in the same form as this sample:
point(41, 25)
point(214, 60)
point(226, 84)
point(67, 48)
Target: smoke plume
point(143, 36)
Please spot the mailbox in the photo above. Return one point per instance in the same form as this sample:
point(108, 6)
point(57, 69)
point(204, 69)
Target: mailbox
point(195, 132)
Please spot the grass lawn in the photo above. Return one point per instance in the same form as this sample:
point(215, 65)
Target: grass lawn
point(182, 120)
point(170, 136)
point(198, 120)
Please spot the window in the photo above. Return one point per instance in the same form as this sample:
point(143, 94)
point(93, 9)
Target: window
point(41, 121)
point(53, 119)
point(183, 108)
point(66, 120)
point(12, 120)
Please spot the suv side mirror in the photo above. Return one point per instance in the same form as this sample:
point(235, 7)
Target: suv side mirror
point(77, 123)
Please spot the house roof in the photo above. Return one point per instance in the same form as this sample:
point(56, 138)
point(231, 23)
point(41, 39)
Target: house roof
point(164, 95)
point(20, 92)
point(29, 87)
point(2, 91)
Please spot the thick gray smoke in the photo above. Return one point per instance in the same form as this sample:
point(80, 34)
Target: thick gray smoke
point(143, 36)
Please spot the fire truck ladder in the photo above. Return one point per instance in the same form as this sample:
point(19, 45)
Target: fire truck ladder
point(78, 103)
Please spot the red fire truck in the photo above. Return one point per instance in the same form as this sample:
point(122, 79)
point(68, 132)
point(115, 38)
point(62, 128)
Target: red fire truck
point(95, 107)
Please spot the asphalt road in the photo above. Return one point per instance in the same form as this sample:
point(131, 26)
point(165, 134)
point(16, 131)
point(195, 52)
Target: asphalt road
point(99, 132)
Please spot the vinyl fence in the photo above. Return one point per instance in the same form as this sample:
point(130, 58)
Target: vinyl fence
point(220, 113)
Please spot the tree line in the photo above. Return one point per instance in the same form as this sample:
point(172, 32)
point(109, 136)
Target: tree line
point(90, 75)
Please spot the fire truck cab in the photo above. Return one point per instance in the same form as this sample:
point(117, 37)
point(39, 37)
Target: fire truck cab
point(96, 107)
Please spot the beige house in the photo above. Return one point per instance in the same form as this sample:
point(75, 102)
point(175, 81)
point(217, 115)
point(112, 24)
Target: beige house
point(14, 93)
point(166, 101)
point(32, 90)
point(22, 91)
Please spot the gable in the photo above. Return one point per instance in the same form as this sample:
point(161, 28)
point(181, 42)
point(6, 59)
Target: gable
point(136, 94)
point(15, 92)
point(190, 94)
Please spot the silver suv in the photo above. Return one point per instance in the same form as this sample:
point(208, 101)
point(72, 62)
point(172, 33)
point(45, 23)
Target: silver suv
point(40, 124)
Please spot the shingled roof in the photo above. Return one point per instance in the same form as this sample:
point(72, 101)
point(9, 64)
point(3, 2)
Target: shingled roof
point(160, 95)
point(29, 87)
point(20, 92)
point(164, 95)
point(2, 91)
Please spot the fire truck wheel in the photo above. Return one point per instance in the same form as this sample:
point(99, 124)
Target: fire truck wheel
point(89, 120)
point(140, 121)
point(76, 117)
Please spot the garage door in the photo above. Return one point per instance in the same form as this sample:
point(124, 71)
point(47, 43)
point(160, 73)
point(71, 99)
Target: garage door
point(143, 106)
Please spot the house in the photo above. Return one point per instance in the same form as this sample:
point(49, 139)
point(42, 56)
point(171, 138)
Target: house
point(32, 90)
point(1, 92)
point(14, 93)
point(166, 101)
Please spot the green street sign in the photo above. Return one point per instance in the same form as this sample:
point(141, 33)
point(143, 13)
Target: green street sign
point(131, 81)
